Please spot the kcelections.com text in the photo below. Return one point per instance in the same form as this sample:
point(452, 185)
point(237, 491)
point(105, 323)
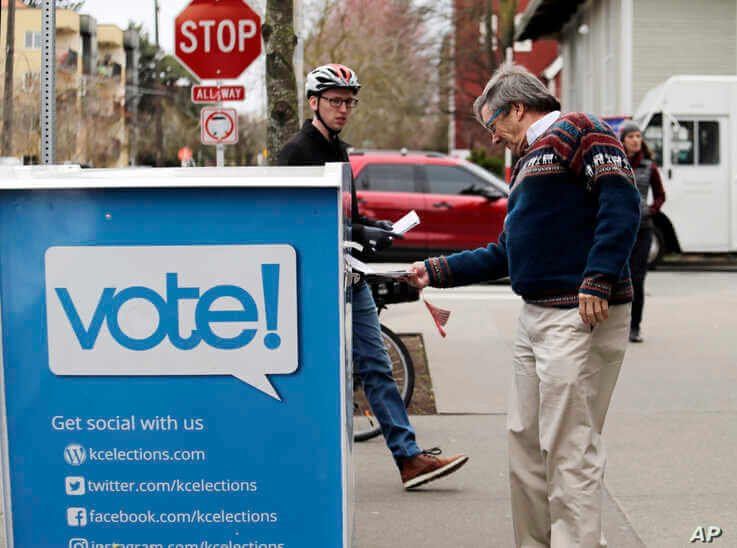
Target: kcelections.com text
point(146, 455)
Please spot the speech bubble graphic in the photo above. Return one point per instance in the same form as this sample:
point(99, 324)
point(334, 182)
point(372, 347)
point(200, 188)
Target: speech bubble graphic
point(173, 310)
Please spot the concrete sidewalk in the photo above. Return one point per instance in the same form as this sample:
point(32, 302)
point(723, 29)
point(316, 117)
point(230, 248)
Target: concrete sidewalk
point(468, 509)
point(671, 432)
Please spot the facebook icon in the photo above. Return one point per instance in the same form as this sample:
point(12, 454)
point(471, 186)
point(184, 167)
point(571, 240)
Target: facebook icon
point(76, 517)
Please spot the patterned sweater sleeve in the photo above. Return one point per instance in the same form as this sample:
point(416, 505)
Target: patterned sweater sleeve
point(468, 267)
point(602, 162)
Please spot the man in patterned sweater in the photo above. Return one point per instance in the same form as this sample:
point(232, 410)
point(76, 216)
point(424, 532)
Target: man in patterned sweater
point(573, 215)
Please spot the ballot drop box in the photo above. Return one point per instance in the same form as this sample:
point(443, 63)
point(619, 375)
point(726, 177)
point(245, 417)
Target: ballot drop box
point(175, 368)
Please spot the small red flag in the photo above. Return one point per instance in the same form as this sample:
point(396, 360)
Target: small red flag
point(439, 315)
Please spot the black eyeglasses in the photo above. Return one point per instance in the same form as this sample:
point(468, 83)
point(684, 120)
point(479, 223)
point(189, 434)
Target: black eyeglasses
point(335, 102)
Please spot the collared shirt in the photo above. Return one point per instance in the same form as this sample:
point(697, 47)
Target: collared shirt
point(541, 126)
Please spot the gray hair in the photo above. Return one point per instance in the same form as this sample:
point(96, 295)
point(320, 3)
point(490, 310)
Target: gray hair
point(514, 84)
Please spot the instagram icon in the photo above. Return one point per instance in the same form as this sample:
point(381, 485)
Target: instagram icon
point(78, 543)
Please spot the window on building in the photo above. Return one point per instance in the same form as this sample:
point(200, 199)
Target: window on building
point(32, 40)
point(387, 178)
point(494, 31)
point(708, 142)
point(682, 144)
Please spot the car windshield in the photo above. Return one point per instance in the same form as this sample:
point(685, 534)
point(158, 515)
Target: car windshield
point(492, 179)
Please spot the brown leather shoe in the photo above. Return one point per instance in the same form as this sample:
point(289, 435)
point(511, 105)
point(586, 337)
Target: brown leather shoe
point(427, 466)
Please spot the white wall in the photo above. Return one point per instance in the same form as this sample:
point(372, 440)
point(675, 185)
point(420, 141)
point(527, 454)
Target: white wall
point(632, 45)
point(681, 37)
point(592, 59)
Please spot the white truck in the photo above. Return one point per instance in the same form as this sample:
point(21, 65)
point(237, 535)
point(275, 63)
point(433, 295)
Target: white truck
point(691, 126)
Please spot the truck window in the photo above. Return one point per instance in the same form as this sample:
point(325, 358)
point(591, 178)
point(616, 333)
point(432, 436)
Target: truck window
point(708, 132)
point(653, 136)
point(682, 143)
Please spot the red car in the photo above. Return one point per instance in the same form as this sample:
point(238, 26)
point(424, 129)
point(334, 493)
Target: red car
point(461, 205)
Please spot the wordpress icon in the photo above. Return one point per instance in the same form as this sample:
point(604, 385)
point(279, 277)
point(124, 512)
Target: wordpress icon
point(75, 454)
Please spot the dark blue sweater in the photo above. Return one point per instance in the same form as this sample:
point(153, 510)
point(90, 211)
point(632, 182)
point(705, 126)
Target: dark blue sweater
point(572, 219)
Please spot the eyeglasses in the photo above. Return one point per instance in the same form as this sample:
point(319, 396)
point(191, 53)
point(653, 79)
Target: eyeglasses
point(490, 124)
point(336, 102)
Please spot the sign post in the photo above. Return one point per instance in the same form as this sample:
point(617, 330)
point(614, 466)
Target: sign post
point(174, 374)
point(217, 39)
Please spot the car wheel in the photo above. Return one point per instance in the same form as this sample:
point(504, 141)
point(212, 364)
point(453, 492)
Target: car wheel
point(657, 249)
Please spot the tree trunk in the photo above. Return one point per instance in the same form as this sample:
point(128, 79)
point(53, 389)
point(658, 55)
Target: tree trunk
point(7, 144)
point(281, 86)
point(507, 10)
point(489, 37)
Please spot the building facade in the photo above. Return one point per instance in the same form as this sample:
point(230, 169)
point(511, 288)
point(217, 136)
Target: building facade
point(614, 51)
point(94, 64)
point(476, 52)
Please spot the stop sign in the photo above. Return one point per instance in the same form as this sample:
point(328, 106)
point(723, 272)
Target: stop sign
point(217, 39)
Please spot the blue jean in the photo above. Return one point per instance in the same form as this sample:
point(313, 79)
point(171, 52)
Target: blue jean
point(371, 360)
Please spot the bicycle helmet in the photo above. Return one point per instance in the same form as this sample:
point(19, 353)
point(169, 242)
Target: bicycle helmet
point(331, 76)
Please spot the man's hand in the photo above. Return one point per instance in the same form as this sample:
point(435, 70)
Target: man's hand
point(593, 310)
point(419, 277)
point(385, 225)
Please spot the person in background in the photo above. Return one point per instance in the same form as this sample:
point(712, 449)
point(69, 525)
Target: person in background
point(647, 177)
point(331, 93)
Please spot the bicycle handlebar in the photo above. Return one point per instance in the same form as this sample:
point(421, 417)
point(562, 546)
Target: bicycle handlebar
point(387, 291)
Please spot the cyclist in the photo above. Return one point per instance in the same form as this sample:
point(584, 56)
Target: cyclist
point(331, 93)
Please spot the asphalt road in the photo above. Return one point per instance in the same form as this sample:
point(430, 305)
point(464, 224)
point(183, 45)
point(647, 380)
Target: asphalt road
point(671, 431)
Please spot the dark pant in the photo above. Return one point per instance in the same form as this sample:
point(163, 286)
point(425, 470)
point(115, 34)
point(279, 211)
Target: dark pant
point(638, 268)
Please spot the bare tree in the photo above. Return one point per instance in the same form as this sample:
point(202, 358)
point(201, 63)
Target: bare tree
point(388, 44)
point(7, 141)
point(281, 86)
point(483, 31)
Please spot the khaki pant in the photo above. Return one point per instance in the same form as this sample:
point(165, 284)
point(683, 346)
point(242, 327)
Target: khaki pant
point(564, 376)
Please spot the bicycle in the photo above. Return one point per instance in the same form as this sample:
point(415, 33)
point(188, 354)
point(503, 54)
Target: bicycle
point(385, 292)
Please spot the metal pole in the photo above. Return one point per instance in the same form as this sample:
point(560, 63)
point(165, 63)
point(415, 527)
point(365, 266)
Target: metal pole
point(7, 140)
point(48, 82)
point(220, 147)
point(159, 128)
point(156, 22)
point(507, 152)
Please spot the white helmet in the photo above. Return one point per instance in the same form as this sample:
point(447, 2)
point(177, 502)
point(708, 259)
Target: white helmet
point(330, 77)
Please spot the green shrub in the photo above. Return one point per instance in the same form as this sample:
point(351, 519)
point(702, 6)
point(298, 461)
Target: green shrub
point(494, 164)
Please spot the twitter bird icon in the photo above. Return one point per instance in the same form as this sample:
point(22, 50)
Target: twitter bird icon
point(75, 485)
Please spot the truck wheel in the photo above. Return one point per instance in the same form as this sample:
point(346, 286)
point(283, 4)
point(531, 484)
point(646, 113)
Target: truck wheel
point(657, 249)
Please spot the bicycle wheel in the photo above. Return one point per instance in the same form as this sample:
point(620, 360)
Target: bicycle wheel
point(365, 424)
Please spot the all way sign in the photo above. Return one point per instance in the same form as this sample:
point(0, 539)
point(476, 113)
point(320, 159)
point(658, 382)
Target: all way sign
point(214, 94)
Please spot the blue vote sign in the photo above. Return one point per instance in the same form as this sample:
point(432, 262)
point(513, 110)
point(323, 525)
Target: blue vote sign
point(173, 360)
